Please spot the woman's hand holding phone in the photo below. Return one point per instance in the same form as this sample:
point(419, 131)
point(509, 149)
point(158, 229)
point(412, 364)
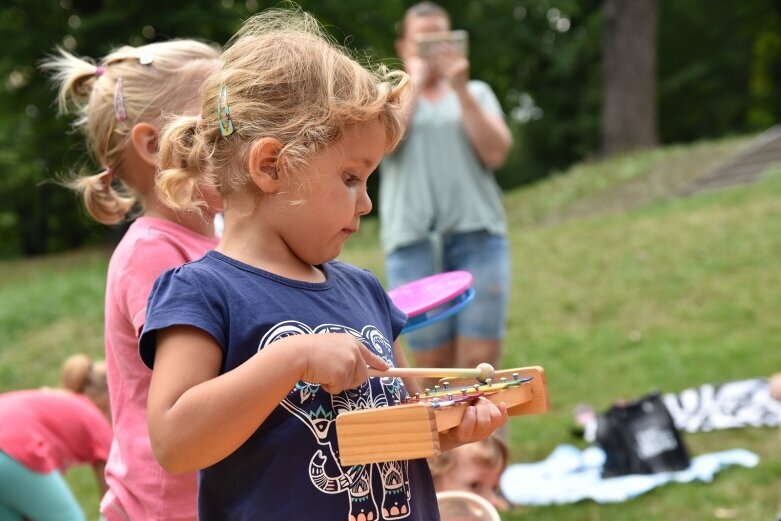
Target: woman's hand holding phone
point(445, 55)
point(448, 63)
point(457, 39)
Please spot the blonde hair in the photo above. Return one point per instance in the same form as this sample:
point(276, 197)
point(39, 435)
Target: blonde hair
point(286, 80)
point(490, 452)
point(81, 375)
point(157, 79)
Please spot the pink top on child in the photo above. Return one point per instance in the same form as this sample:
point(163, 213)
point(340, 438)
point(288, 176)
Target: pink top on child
point(47, 430)
point(139, 489)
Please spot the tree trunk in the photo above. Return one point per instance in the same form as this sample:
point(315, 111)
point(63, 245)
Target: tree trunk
point(629, 75)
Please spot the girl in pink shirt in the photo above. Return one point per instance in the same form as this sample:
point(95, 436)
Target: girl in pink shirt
point(120, 105)
point(45, 431)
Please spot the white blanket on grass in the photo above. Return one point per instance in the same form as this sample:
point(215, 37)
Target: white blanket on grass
point(569, 475)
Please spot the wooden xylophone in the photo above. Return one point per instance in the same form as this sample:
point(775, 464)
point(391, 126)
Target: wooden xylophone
point(410, 430)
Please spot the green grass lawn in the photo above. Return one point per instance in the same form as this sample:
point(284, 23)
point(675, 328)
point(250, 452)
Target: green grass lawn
point(619, 287)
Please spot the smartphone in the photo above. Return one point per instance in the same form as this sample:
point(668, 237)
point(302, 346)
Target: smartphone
point(458, 39)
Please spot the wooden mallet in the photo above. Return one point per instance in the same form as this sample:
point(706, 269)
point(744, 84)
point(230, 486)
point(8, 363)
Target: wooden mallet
point(482, 372)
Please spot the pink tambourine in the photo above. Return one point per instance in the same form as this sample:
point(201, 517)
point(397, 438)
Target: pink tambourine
point(431, 299)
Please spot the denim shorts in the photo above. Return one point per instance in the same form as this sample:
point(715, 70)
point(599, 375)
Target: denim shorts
point(486, 257)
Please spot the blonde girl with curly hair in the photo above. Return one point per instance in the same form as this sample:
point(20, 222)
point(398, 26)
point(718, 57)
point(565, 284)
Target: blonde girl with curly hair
point(260, 344)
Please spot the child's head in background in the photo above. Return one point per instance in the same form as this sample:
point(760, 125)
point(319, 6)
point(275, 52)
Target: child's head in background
point(82, 375)
point(120, 103)
point(286, 109)
point(475, 467)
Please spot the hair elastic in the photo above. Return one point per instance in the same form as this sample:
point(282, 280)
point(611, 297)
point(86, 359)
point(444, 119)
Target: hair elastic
point(99, 70)
point(119, 100)
point(199, 120)
point(224, 111)
point(108, 176)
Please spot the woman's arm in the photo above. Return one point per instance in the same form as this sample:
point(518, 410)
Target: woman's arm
point(198, 417)
point(418, 71)
point(489, 134)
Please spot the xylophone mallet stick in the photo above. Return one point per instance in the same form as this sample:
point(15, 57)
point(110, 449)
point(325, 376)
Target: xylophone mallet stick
point(481, 373)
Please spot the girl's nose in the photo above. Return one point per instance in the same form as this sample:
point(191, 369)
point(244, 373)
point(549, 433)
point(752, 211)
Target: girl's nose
point(364, 205)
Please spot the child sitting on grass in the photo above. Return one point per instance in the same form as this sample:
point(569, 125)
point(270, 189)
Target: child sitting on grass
point(475, 467)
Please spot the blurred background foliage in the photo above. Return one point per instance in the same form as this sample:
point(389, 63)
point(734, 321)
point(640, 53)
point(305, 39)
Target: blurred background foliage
point(719, 73)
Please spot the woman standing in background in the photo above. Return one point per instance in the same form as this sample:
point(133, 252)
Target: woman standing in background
point(440, 205)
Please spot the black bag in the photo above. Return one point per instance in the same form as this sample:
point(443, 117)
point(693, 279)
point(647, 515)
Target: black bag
point(640, 437)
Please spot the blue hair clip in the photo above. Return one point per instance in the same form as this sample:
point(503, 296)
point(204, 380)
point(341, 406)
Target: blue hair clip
point(224, 113)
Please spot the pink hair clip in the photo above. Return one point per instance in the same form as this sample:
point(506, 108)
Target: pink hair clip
point(119, 100)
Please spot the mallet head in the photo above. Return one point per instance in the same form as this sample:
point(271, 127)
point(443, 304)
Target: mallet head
point(487, 372)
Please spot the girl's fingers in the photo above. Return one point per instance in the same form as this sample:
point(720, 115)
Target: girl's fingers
point(484, 407)
point(372, 359)
point(498, 414)
point(489, 417)
point(466, 430)
point(366, 357)
point(503, 411)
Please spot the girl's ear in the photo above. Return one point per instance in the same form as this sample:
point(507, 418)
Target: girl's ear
point(143, 136)
point(263, 164)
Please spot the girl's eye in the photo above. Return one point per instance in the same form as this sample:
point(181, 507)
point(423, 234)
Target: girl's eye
point(351, 179)
point(475, 485)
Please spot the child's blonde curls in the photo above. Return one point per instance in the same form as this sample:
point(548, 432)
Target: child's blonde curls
point(284, 79)
point(158, 79)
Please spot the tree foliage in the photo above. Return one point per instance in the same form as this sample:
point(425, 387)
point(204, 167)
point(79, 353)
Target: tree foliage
point(719, 68)
point(719, 73)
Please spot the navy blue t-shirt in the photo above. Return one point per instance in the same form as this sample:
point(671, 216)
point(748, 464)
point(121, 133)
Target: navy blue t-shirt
point(289, 470)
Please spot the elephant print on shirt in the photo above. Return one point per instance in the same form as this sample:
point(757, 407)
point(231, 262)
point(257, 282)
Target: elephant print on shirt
point(378, 491)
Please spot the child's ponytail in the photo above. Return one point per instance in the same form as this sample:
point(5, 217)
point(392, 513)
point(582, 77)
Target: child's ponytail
point(74, 77)
point(105, 203)
point(81, 374)
point(75, 372)
point(183, 163)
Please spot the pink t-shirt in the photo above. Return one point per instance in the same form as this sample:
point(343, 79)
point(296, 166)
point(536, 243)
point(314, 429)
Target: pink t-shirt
point(47, 430)
point(139, 489)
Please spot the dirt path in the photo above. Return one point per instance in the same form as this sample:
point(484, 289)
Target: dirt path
point(746, 166)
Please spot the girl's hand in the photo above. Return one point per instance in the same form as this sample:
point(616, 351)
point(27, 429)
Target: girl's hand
point(337, 361)
point(479, 421)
